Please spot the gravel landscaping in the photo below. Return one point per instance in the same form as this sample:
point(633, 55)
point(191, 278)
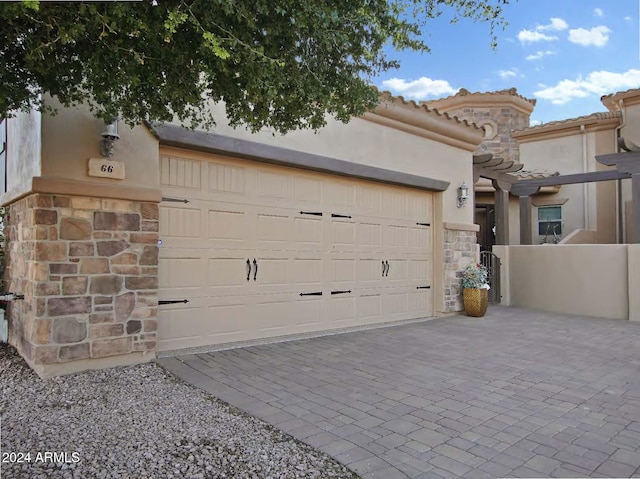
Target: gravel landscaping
point(138, 422)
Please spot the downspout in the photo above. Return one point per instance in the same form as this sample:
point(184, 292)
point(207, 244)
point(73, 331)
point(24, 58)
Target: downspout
point(585, 186)
point(619, 206)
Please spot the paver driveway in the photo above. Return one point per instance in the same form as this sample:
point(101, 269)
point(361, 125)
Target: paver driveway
point(517, 393)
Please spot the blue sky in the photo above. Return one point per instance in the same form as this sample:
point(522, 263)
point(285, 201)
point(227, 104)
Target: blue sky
point(564, 53)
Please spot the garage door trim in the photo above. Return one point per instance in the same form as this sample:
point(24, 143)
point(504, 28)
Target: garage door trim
point(179, 137)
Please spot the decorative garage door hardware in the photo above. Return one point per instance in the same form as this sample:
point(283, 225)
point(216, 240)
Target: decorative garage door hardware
point(315, 293)
point(255, 271)
point(344, 291)
point(423, 287)
point(385, 268)
point(423, 224)
point(336, 215)
point(314, 213)
point(173, 301)
point(175, 200)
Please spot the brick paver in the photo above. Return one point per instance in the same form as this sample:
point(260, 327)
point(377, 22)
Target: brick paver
point(517, 393)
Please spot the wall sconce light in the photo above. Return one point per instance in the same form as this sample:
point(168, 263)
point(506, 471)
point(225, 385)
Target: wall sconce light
point(109, 137)
point(463, 194)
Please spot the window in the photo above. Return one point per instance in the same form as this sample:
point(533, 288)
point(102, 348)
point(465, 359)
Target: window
point(550, 220)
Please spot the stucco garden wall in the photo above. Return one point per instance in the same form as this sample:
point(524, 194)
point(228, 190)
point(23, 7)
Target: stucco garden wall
point(590, 280)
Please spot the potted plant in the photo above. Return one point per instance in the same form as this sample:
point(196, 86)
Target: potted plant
point(475, 292)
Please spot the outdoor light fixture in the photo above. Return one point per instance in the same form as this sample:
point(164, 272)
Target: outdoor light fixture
point(109, 137)
point(463, 194)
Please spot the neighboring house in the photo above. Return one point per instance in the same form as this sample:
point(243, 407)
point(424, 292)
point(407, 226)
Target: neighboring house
point(185, 239)
point(575, 213)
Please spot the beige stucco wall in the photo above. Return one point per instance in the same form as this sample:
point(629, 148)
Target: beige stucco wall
point(589, 280)
point(590, 206)
point(23, 151)
point(563, 155)
point(72, 136)
point(366, 142)
point(634, 281)
point(630, 129)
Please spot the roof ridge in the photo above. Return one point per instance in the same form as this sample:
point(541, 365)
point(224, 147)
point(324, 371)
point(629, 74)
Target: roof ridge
point(464, 92)
point(599, 115)
point(387, 95)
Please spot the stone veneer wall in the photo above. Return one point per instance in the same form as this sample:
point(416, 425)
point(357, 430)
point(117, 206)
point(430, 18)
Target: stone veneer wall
point(505, 120)
point(460, 249)
point(88, 269)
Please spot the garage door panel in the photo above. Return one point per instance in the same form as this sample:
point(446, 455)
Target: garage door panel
point(397, 271)
point(420, 303)
point(340, 195)
point(181, 173)
point(396, 237)
point(307, 190)
point(395, 304)
point(419, 239)
point(307, 272)
point(341, 311)
point(369, 307)
point(223, 178)
point(180, 222)
point(226, 272)
point(369, 272)
point(273, 230)
point(343, 235)
point(369, 199)
point(420, 270)
point(308, 232)
point(274, 185)
point(178, 273)
point(228, 224)
point(369, 235)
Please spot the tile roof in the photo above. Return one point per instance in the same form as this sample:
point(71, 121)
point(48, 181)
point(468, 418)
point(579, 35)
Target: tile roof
point(625, 92)
point(601, 115)
point(534, 174)
point(387, 96)
point(465, 92)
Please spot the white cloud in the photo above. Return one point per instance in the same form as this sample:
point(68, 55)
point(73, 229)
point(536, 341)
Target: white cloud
point(535, 122)
point(419, 89)
point(556, 24)
point(596, 83)
point(505, 74)
point(539, 54)
point(597, 36)
point(529, 36)
point(536, 35)
point(628, 18)
point(598, 12)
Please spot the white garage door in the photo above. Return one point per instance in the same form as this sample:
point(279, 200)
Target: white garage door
point(261, 251)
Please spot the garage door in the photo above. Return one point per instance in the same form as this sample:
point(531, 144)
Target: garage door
point(251, 250)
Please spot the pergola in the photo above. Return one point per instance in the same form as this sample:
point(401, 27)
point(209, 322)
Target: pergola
point(627, 165)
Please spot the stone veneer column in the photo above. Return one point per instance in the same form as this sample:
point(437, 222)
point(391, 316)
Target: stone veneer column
point(88, 268)
point(460, 249)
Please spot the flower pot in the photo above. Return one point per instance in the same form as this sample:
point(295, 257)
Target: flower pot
point(475, 301)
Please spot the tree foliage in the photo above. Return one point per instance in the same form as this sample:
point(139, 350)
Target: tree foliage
point(280, 64)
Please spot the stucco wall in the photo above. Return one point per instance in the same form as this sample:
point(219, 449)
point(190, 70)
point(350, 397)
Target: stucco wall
point(589, 280)
point(72, 136)
point(23, 151)
point(365, 142)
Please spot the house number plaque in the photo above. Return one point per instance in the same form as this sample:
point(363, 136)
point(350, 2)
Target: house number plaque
point(104, 168)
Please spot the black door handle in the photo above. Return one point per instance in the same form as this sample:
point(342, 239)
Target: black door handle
point(255, 269)
point(387, 272)
point(248, 269)
point(383, 268)
point(315, 293)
